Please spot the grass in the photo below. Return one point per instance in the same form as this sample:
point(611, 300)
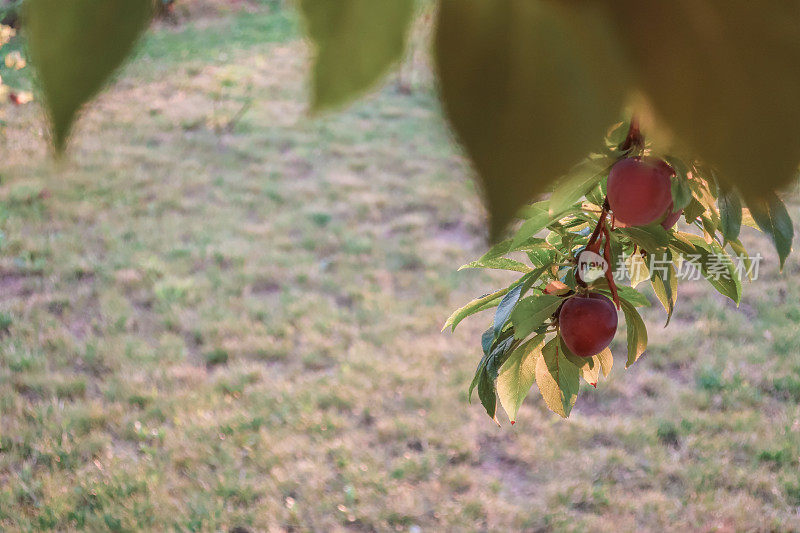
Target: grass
point(212, 320)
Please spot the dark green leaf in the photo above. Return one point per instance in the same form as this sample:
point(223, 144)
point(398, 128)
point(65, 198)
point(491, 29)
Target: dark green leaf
point(529, 87)
point(637, 332)
point(495, 351)
point(681, 191)
point(771, 216)
point(75, 47)
point(507, 305)
point(487, 339)
point(730, 212)
point(356, 43)
point(488, 395)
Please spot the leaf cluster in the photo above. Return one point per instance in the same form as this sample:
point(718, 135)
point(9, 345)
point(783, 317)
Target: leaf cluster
point(523, 344)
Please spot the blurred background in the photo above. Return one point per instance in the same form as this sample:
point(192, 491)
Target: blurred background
point(219, 312)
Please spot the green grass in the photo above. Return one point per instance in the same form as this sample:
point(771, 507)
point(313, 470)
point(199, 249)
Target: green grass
point(211, 40)
point(210, 321)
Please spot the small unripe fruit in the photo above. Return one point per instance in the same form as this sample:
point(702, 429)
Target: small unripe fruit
point(587, 324)
point(672, 217)
point(639, 190)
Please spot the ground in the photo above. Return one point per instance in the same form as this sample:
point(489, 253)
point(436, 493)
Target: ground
point(219, 311)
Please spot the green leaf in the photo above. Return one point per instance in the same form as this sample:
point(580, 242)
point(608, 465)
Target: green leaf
point(538, 218)
point(714, 263)
point(637, 332)
point(664, 280)
point(589, 367)
point(606, 360)
point(627, 293)
point(681, 191)
point(507, 305)
point(529, 87)
point(488, 395)
point(637, 268)
point(517, 375)
point(75, 46)
point(737, 61)
point(578, 182)
point(648, 238)
point(531, 312)
point(771, 216)
point(357, 41)
point(487, 339)
point(499, 263)
point(693, 210)
point(740, 251)
point(730, 212)
point(495, 350)
point(709, 227)
point(475, 306)
point(557, 379)
point(542, 257)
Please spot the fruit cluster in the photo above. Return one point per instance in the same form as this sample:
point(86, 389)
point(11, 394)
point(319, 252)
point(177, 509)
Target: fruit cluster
point(639, 193)
point(617, 210)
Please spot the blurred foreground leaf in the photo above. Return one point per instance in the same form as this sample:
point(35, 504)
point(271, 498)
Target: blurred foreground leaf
point(530, 87)
point(75, 46)
point(725, 75)
point(357, 41)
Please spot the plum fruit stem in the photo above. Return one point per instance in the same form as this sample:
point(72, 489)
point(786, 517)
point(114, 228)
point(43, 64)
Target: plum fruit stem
point(635, 139)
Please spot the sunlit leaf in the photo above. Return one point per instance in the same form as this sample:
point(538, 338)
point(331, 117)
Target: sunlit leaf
point(499, 263)
point(557, 378)
point(475, 306)
point(589, 367)
point(530, 87)
point(356, 43)
point(516, 375)
point(606, 360)
point(538, 217)
point(637, 268)
point(75, 46)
